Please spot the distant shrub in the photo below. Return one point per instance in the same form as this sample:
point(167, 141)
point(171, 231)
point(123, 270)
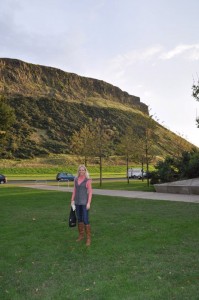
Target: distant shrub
point(172, 169)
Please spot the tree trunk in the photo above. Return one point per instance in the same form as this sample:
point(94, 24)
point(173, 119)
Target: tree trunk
point(127, 168)
point(100, 171)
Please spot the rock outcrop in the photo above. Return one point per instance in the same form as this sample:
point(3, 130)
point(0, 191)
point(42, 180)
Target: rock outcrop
point(21, 78)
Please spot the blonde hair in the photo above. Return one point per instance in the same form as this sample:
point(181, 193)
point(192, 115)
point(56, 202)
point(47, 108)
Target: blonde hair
point(85, 169)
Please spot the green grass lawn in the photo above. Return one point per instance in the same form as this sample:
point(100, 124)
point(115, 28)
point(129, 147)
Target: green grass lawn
point(141, 249)
point(133, 185)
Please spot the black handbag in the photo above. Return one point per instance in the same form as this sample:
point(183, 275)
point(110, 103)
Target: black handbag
point(72, 218)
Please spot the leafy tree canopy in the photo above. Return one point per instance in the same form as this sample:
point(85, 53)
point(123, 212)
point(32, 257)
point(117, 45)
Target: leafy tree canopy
point(195, 94)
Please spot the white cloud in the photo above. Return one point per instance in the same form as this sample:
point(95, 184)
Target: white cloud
point(187, 51)
point(122, 61)
point(131, 57)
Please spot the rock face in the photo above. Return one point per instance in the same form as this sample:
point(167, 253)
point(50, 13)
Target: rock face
point(20, 78)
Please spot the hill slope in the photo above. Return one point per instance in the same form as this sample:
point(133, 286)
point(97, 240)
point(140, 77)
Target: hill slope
point(51, 104)
point(20, 78)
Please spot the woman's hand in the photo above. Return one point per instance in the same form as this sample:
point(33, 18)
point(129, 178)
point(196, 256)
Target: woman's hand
point(88, 205)
point(73, 205)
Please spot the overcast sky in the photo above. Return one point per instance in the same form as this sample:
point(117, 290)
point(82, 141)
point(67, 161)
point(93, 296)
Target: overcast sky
point(149, 49)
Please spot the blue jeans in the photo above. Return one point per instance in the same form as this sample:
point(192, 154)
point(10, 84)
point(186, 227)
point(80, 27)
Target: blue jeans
point(82, 214)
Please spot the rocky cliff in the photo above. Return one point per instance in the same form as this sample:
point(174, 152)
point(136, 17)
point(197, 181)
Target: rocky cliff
point(21, 78)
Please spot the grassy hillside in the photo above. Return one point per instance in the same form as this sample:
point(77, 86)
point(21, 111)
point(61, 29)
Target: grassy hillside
point(50, 105)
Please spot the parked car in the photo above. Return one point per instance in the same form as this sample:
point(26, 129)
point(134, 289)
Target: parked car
point(3, 179)
point(136, 173)
point(65, 177)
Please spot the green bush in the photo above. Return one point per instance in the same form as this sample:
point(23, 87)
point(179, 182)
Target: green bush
point(172, 169)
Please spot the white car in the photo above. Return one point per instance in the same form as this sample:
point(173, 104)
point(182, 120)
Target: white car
point(136, 173)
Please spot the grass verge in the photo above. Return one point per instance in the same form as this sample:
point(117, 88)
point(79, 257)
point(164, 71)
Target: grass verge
point(141, 249)
point(133, 185)
point(115, 184)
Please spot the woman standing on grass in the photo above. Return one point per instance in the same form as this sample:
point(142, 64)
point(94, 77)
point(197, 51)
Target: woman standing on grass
point(81, 197)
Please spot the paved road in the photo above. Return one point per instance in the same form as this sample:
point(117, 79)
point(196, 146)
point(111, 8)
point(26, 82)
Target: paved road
point(127, 194)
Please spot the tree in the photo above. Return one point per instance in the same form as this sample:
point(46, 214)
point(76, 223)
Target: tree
point(195, 94)
point(147, 141)
point(128, 146)
point(102, 137)
point(172, 168)
point(188, 164)
point(81, 142)
point(94, 139)
point(167, 170)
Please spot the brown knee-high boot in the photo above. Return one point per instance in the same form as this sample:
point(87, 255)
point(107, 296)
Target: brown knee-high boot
point(88, 235)
point(81, 232)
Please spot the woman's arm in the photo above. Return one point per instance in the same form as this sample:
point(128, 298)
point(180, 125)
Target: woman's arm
point(73, 195)
point(90, 192)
